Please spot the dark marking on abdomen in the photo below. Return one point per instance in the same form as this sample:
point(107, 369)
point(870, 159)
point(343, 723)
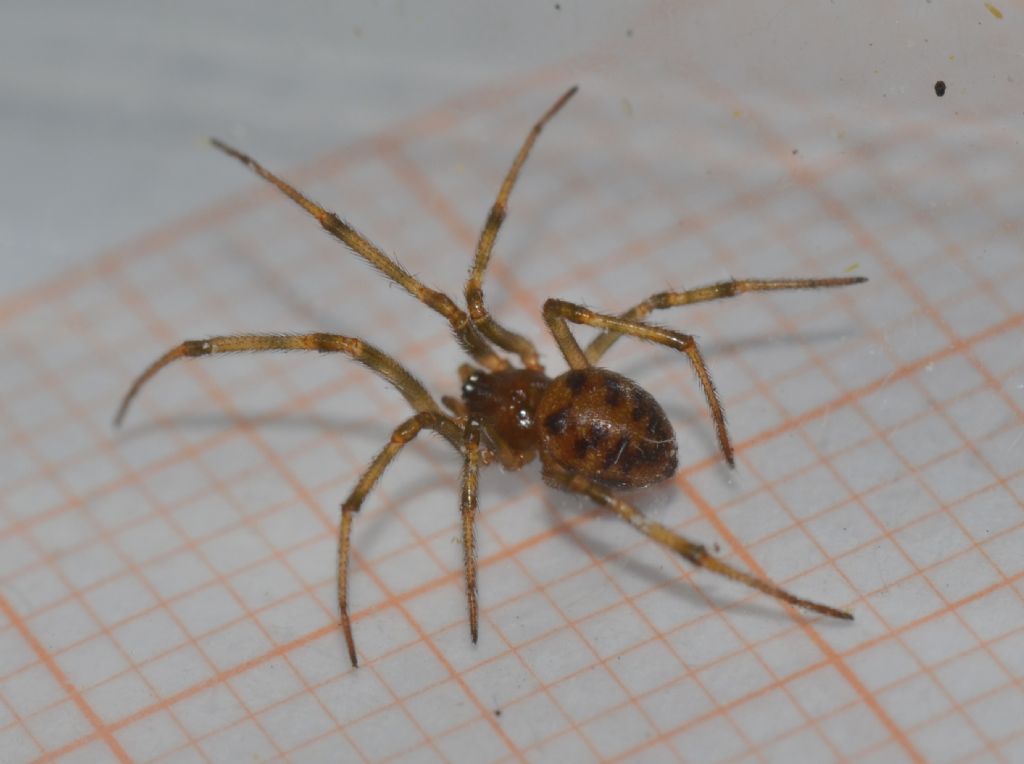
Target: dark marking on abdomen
point(555, 423)
point(613, 392)
point(603, 426)
point(576, 380)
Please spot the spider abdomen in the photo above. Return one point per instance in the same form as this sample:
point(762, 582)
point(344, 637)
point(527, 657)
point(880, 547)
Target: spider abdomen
point(599, 424)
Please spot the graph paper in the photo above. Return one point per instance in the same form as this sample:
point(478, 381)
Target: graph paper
point(167, 592)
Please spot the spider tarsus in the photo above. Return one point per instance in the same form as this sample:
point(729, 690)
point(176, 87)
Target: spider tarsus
point(556, 107)
point(726, 444)
point(843, 615)
point(217, 143)
point(122, 410)
point(817, 607)
point(122, 413)
point(842, 281)
point(347, 628)
point(700, 557)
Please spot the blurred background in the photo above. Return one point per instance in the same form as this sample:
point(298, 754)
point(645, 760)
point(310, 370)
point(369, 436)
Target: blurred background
point(105, 104)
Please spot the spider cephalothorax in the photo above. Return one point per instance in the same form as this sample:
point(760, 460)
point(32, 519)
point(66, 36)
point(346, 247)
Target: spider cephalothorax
point(592, 429)
point(505, 404)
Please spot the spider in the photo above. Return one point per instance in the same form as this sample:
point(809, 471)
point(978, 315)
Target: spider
point(593, 430)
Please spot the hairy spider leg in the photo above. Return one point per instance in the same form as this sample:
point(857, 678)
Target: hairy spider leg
point(376, 360)
point(402, 436)
point(467, 510)
point(504, 338)
point(558, 312)
point(465, 332)
point(600, 344)
point(693, 552)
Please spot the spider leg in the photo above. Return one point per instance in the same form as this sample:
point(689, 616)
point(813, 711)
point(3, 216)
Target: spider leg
point(600, 344)
point(462, 327)
point(503, 338)
point(558, 312)
point(402, 435)
point(454, 405)
point(693, 552)
point(467, 510)
point(378, 361)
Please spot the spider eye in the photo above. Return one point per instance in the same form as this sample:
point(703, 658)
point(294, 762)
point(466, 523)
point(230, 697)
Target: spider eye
point(469, 386)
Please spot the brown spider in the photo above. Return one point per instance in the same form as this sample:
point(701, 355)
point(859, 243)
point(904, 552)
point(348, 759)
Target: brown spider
point(593, 429)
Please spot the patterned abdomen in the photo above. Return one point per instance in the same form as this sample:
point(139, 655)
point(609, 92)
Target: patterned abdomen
point(599, 424)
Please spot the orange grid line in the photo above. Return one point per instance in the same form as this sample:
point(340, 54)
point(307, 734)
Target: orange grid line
point(62, 679)
point(438, 583)
point(918, 365)
point(837, 211)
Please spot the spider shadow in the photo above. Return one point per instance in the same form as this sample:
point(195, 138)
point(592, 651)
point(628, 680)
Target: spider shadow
point(698, 422)
point(650, 363)
point(500, 484)
point(429, 448)
point(283, 289)
point(774, 339)
point(269, 420)
point(694, 593)
point(497, 487)
point(404, 499)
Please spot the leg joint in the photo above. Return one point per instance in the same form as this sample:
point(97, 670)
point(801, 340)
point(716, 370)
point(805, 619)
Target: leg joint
point(695, 554)
point(728, 288)
point(661, 300)
point(193, 348)
point(496, 216)
point(475, 302)
point(332, 343)
point(408, 429)
point(683, 342)
point(443, 304)
point(556, 308)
